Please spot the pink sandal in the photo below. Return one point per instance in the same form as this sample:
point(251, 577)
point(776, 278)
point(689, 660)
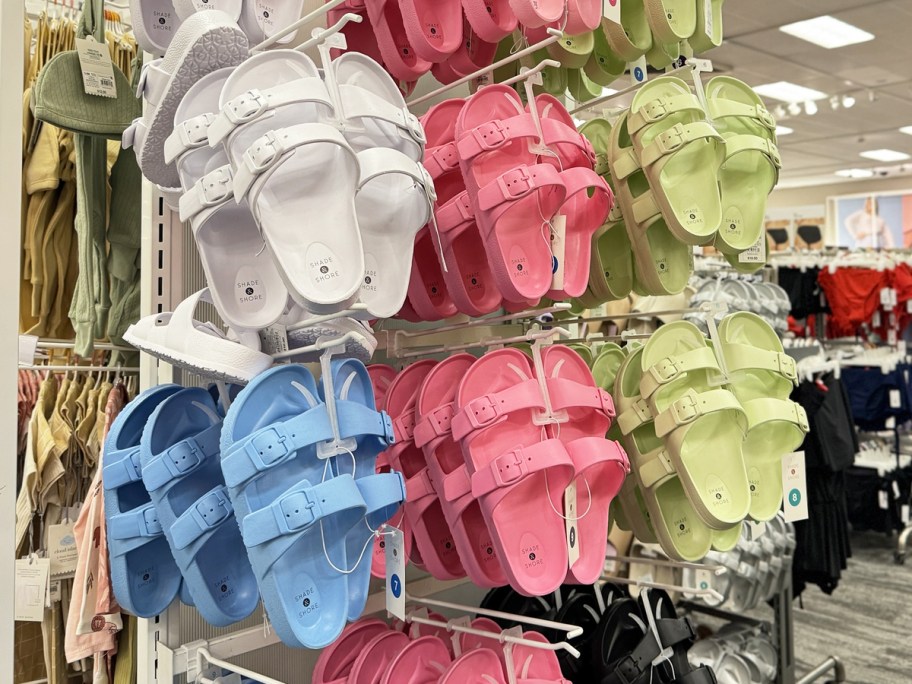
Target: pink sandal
point(375, 658)
point(480, 666)
point(491, 20)
point(469, 642)
point(513, 194)
point(428, 296)
point(449, 473)
point(468, 277)
point(336, 660)
point(399, 57)
point(359, 37)
point(583, 16)
point(535, 13)
point(601, 464)
point(433, 27)
point(472, 54)
point(513, 470)
point(536, 665)
point(423, 661)
point(422, 507)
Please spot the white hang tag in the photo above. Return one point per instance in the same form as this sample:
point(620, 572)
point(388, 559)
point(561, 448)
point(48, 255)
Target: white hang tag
point(756, 253)
point(794, 487)
point(886, 299)
point(558, 250)
point(909, 306)
point(31, 586)
point(896, 489)
point(274, 339)
point(395, 572)
point(883, 500)
point(611, 566)
point(638, 72)
point(54, 593)
point(62, 550)
point(895, 399)
point(757, 529)
point(703, 579)
point(708, 19)
point(891, 337)
point(97, 68)
point(904, 514)
point(571, 523)
point(455, 638)
point(890, 423)
point(611, 10)
point(28, 347)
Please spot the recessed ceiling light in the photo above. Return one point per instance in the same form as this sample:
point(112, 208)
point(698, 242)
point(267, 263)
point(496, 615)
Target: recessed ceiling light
point(789, 92)
point(885, 155)
point(827, 32)
point(855, 173)
point(810, 108)
point(848, 101)
point(906, 129)
point(784, 130)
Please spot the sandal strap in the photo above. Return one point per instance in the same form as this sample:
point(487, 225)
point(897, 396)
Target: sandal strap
point(404, 425)
point(655, 467)
point(670, 141)
point(739, 357)
point(455, 486)
point(121, 468)
point(699, 675)
point(153, 82)
point(441, 160)
point(637, 415)
point(659, 109)
point(566, 394)
point(719, 108)
point(141, 522)
point(516, 184)
point(188, 135)
point(559, 133)
point(586, 452)
point(420, 487)
point(765, 410)
point(434, 424)
point(381, 491)
point(692, 406)
point(517, 464)
point(672, 367)
point(181, 459)
point(255, 103)
point(602, 165)
point(624, 163)
point(269, 150)
point(213, 189)
point(454, 216)
point(204, 516)
point(357, 420)
point(631, 668)
point(380, 161)
point(736, 144)
point(493, 135)
point(360, 103)
point(301, 507)
point(490, 408)
point(645, 208)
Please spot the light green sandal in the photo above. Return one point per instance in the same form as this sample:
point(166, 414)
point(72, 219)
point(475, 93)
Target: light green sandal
point(702, 425)
point(572, 51)
point(762, 376)
point(554, 79)
point(580, 87)
point(708, 12)
point(748, 267)
point(632, 38)
point(663, 263)
point(671, 21)
point(726, 540)
point(584, 350)
point(604, 66)
point(660, 55)
point(680, 153)
point(751, 166)
point(678, 528)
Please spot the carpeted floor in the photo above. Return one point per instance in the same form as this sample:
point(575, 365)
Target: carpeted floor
point(867, 621)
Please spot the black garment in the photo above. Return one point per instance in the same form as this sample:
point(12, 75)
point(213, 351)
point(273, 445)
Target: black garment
point(810, 234)
point(803, 291)
point(830, 448)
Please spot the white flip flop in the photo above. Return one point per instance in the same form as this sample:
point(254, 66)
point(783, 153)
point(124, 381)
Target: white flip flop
point(180, 340)
point(206, 42)
point(185, 8)
point(261, 19)
point(246, 287)
point(155, 23)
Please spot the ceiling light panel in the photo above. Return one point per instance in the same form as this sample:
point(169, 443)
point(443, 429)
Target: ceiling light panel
point(789, 92)
point(884, 155)
point(855, 173)
point(827, 32)
point(784, 130)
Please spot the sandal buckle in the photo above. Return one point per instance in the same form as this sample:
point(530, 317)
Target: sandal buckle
point(642, 410)
point(429, 189)
point(787, 367)
point(269, 447)
point(214, 508)
point(263, 153)
point(405, 425)
point(195, 132)
point(685, 410)
point(607, 404)
point(516, 184)
point(654, 111)
point(413, 123)
point(665, 371)
point(389, 431)
point(183, 457)
point(773, 153)
point(509, 468)
point(215, 187)
point(491, 135)
point(481, 412)
point(296, 510)
point(246, 107)
point(671, 140)
point(601, 164)
point(765, 117)
point(150, 525)
point(801, 417)
point(465, 207)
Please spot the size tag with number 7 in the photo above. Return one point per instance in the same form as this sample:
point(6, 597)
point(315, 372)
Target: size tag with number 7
point(395, 572)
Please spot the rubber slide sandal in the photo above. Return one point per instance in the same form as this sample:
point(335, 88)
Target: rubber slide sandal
point(423, 661)
point(583, 16)
point(512, 194)
point(183, 341)
point(762, 378)
point(571, 51)
point(750, 170)
point(246, 287)
point(423, 510)
point(471, 642)
point(534, 665)
point(535, 13)
point(182, 473)
point(670, 516)
point(632, 38)
point(513, 469)
point(671, 21)
point(472, 54)
point(261, 21)
point(206, 42)
point(294, 518)
point(374, 659)
point(449, 474)
point(491, 20)
point(580, 87)
point(428, 297)
point(359, 36)
point(695, 418)
point(186, 8)
point(144, 575)
point(479, 666)
point(155, 22)
point(383, 493)
point(604, 67)
point(434, 29)
point(399, 56)
point(335, 662)
point(709, 26)
point(680, 153)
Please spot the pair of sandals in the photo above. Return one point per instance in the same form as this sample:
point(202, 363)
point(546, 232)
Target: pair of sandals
point(505, 203)
point(738, 655)
point(479, 459)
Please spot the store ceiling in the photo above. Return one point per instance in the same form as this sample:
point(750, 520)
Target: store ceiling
point(756, 51)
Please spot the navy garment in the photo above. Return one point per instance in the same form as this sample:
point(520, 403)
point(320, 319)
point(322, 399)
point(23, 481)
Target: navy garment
point(870, 392)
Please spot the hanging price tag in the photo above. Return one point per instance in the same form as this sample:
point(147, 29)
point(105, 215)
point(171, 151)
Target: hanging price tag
point(883, 500)
point(572, 523)
point(708, 19)
point(97, 68)
point(904, 514)
point(274, 339)
point(28, 346)
point(62, 549)
point(395, 572)
point(611, 10)
point(794, 487)
point(895, 489)
point(31, 586)
point(638, 71)
point(558, 250)
point(756, 253)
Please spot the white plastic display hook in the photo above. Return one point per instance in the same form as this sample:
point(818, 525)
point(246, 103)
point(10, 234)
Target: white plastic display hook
point(332, 347)
point(326, 40)
point(294, 26)
point(549, 416)
point(205, 659)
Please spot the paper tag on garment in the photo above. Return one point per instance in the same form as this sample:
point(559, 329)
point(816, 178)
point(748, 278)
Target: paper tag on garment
point(909, 306)
point(886, 298)
point(611, 10)
point(904, 514)
point(395, 572)
point(890, 423)
point(895, 399)
point(571, 523)
point(274, 339)
point(31, 586)
point(62, 550)
point(558, 250)
point(638, 71)
point(703, 579)
point(97, 68)
point(455, 638)
point(794, 487)
point(708, 24)
point(883, 500)
point(875, 319)
point(54, 593)
point(891, 337)
point(896, 489)
point(756, 253)
point(28, 346)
